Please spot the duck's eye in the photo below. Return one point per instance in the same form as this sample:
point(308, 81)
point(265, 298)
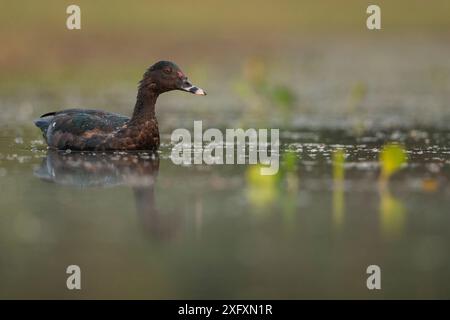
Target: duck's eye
point(167, 70)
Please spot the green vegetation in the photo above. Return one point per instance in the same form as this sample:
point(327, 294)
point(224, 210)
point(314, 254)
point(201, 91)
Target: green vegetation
point(392, 158)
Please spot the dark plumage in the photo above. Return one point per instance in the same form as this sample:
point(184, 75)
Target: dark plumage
point(82, 129)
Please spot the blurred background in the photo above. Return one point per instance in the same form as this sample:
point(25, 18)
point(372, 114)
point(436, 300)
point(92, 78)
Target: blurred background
point(364, 126)
point(291, 60)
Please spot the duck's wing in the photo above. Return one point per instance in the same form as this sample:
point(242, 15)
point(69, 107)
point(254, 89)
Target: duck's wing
point(76, 122)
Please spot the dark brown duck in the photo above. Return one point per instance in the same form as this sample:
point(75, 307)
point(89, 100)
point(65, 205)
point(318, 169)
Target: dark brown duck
point(95, 130)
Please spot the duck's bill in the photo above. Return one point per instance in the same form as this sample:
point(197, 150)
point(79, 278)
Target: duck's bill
point(193, 89)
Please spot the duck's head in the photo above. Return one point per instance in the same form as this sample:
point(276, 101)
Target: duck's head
point(166, 76)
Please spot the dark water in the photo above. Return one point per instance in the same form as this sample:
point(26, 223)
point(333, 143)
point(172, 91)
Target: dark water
point(141, 227)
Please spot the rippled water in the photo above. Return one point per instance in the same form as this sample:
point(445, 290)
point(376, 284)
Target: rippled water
point(141, 227)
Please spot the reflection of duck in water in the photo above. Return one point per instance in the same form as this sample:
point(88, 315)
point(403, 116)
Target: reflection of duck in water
point(139, 171)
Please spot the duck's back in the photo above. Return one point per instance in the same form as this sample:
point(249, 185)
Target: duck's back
point(78, 129)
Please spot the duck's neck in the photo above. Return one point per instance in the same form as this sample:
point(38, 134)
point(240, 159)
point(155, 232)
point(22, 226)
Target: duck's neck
point(144, 109)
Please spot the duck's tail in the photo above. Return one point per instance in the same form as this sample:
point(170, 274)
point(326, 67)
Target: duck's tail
point(44, 122)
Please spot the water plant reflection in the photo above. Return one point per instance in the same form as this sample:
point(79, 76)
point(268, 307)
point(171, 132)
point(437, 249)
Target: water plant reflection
point(338, 188)
point(392, 211)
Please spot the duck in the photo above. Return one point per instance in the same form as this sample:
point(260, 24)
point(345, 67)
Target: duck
point(98, 130)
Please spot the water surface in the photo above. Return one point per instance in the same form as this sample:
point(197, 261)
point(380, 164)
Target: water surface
point(141, 227)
